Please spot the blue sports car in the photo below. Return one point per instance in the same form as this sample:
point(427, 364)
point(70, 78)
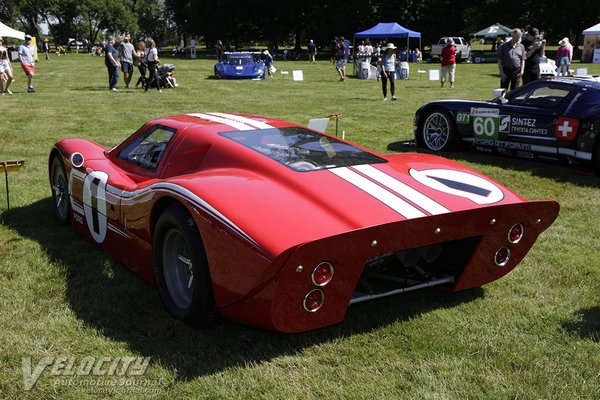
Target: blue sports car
point(557, 118)
point(240, 65)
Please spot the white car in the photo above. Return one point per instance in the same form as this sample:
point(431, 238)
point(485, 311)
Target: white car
point(547, 67)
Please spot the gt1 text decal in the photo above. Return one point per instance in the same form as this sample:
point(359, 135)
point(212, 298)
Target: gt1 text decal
point(458, 183)
point(463, 118)
point(94, 204)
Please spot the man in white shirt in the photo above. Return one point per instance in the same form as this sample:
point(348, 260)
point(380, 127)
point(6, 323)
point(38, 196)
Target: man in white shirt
point(27, 59)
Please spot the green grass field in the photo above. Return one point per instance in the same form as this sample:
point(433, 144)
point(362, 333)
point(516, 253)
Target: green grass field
point(534, 334)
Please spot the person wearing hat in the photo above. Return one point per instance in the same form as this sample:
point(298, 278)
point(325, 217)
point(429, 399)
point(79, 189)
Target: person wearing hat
point(26, 57)
point(535, 48)
point(388, 71)
point(6, 73)
point(448, 62)
point(564, 55)
point(46, 49)
point(112, 63)
point(269, 63)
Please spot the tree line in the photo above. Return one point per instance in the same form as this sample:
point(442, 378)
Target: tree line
point(261, 22)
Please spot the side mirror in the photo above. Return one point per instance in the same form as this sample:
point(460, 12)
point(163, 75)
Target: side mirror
point(499, 94)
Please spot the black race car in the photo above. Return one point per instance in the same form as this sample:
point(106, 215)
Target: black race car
point(557, 118)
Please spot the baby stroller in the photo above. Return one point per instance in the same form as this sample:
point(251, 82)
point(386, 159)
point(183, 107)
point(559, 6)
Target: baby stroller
point(165, 73)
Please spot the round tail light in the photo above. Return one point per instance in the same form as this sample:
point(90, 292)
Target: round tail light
point(322, 274)
point(502, 256)
point(515, 234)
point(313, 300)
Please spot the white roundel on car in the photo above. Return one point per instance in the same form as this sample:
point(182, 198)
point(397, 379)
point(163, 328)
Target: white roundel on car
point(461, 184)
point(94, 204)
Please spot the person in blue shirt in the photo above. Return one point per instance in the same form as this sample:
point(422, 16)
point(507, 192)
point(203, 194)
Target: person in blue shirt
point(269, 63)
point(112, 64)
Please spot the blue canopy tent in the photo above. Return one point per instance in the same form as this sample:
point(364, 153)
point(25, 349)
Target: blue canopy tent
point(389, 30)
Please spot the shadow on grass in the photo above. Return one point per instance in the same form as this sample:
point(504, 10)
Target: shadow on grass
point(586, 324)
point(576, 174)
point(113, 301)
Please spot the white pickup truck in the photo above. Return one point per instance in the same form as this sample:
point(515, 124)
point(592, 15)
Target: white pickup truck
point(463, 49)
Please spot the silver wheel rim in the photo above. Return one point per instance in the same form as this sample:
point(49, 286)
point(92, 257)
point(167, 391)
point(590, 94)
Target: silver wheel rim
point(177, 268)
point(436, 131)
point(59, 187)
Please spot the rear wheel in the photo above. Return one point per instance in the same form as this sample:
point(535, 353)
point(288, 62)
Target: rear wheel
point(60, 190)
point(180, 267)
point(438, 132)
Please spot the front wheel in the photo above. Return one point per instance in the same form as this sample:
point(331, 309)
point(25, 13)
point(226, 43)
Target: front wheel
point(60, 190)
point(438, 132)
point(181, 269)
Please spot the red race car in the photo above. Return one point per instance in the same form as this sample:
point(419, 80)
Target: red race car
point(277, 226)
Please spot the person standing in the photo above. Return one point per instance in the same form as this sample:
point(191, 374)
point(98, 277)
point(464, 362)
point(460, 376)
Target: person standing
point(564, 55)
point(5, 69)
point(448, 62)
point(219, 50)
point(312, 51)
point(126, 51)
point(535, 48)
point(112, 63)
point(511, 61)
point(340, 54)
point(26, 57)
point(269, 63)
point(142, 63)
point(388, 71)
point(46, 49)
point(153, 61)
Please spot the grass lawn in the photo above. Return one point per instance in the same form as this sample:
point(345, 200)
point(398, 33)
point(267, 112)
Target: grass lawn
point(534, 334)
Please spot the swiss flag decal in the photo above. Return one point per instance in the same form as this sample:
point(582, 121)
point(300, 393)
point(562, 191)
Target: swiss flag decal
point(566, 128)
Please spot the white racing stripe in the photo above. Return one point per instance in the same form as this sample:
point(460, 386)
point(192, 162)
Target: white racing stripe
point(389, 199)
point(402, 189)
point(243, 120)
point(236, 125)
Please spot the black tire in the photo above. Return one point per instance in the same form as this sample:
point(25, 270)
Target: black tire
point(181, 269)
point(59, 184)
point(437, 130)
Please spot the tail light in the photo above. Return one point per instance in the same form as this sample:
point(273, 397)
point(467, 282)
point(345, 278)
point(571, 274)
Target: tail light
point(313, 300)
point(502, 256)
point(515, 234)
point(322, 274)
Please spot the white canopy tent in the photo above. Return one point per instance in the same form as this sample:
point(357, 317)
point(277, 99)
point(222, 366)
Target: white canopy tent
point(594, 30)
point(6, 31)
point(591, 44)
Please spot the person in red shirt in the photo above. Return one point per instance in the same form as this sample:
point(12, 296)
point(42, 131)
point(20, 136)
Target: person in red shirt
point(448, 62)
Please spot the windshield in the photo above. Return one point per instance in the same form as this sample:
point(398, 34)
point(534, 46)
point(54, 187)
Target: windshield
point(240, 60)
point(301, 149)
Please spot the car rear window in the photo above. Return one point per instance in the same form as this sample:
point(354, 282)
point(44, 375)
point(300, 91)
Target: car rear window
point(301, 149)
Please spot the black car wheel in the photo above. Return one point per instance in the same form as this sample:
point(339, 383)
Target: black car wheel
point(437, 131)
point(60, 190)
point(180, 267)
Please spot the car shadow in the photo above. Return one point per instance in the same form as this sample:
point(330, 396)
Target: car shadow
point(109, 298)
point(560, 171)
point(586, 324)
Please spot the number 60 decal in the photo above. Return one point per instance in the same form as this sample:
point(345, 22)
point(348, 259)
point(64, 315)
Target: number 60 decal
point(94, 204)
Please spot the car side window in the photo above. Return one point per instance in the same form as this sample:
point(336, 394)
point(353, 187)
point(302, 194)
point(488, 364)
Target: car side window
point(542, 97)
point(147, 150)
